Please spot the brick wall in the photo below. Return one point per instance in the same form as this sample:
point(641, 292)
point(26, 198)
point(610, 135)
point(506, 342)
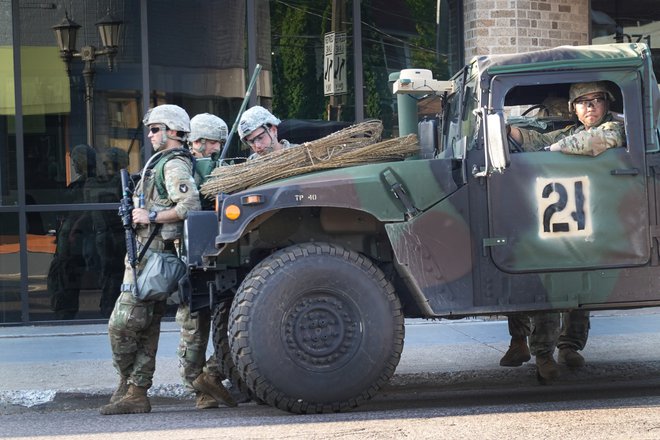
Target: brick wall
point(509, 26)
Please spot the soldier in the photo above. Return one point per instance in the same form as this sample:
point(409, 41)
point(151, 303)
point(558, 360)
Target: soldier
point(596, 132)
point(75, 252)
point(168, 191)
point(258, 129)
point(207, 134)
point(573, 337)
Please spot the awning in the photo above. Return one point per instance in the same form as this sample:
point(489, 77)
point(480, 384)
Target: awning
point(45, 83)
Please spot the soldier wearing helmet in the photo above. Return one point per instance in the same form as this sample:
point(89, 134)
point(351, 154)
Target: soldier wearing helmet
point(596, 132)
point(207, 135)
point(172, 120)
point(163, 197)
point(258, 129)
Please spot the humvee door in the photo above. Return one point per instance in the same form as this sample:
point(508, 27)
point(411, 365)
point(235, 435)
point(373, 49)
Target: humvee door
point(555, 211)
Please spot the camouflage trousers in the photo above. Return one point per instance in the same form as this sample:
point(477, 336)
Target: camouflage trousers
point(134, 329)
point(545, 332)
point(192, 345)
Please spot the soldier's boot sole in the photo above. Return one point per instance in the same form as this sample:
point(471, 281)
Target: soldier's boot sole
point(126, 407)
point(205, 384)
point(571, 358)
point(205, 401)
point(517, 354)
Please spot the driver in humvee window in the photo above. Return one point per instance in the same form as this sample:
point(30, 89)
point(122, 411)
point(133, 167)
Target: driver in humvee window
point(596, 131)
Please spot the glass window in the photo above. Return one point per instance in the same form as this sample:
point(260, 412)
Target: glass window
point(77, 108)
point(10, 271)
point(203, 70)
point(632, 22)
point(76, 267)
point(8, 186)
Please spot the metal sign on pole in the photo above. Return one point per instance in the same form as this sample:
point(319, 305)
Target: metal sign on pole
point(334, 75)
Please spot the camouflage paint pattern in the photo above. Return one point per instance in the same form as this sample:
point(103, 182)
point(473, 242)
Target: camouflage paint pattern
point(552, 231)
point(363, 188)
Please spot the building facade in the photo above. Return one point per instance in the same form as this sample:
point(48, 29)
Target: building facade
point(68, 124)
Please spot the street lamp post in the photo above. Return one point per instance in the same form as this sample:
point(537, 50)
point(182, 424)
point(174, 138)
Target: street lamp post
point(65, 34)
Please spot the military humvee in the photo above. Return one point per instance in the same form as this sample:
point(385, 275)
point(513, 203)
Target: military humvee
point(312, 281)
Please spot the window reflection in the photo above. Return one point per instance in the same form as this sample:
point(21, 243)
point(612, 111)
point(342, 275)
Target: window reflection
point(10, 272)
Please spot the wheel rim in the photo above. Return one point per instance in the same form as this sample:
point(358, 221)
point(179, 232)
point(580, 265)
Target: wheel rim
point(322, 331)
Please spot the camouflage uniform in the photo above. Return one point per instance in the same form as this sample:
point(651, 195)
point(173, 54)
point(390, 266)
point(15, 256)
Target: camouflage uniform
point(545, 332)
point(192, 345)
point(134, 325)
point(575, 139)
point(195, 328)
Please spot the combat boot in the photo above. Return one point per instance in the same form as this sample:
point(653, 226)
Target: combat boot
point(121, 390)
point(134, 402)
point(547, 368)
point(517, 353)
point(570, 357)
point(205, 401)
point(208, 385)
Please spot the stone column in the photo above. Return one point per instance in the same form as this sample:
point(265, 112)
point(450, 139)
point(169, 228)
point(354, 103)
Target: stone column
point(512, 26)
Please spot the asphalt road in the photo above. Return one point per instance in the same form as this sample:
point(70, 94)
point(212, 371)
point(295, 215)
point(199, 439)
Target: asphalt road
point(448, 385)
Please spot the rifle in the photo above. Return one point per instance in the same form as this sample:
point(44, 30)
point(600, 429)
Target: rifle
point(126, 214)
point(248, 93)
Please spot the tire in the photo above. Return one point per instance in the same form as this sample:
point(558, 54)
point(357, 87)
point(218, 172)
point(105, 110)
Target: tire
point(316, 328)
point(221, 347)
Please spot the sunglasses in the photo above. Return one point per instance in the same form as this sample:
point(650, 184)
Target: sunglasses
point(156, 129)
point(260, 137)
point(599, 100)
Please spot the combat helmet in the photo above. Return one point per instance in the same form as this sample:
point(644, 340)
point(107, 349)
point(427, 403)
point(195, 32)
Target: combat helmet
point(581, 89)
point(207, 126)
point(254, 118)
point(172, 116)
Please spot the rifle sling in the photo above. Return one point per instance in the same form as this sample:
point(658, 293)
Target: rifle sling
point(151, 238)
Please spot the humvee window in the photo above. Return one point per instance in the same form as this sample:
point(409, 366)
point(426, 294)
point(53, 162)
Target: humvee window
point(544, 108)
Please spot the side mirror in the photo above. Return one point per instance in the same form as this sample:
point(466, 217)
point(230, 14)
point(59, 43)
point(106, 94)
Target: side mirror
point(495, 143)
point(497, 146)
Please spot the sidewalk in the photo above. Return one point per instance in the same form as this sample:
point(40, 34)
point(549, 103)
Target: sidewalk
point(39, 362)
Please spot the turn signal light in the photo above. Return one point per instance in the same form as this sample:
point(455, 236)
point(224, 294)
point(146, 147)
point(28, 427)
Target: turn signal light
point(232, 212)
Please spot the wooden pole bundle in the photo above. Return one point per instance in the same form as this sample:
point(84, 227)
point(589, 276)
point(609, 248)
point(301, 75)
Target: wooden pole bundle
point(355, 145)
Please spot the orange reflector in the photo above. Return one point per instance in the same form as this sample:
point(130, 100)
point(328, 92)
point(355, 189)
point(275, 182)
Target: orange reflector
point(232, 212)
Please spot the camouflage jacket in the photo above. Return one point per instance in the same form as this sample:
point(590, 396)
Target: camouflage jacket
point(182, 194)
point(575, 139)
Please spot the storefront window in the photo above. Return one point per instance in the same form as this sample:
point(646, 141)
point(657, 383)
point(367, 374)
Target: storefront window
point(8, 187)
point(71, 105)
point(627, 22)
point(10, 271)
point(202, 70)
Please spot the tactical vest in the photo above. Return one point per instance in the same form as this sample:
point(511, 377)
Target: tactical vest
point(153, 192)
